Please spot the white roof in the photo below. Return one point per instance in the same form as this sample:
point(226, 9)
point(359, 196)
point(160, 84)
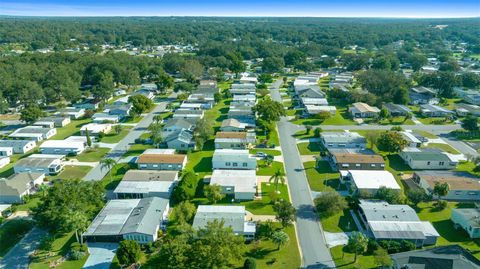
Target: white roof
point(241, 180)
point(159, 151)
point(95, 127)
point(314, 101)
point(77, 138)
point(373, 179)
point(6, 148)
point(61, 144)
point(220, 209)
point(410, 137)
point(144, 187)
point(315, 109)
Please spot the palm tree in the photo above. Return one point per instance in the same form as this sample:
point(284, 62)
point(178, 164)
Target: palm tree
point(279, 176)
point(108, 163)
point(280, 238)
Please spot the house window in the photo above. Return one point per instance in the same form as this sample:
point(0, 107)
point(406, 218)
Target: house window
point(155, 165)
point(182, 145)
point(244, 164)
point(357, 165)
point(372, 165)
point(143, 165)
point(441, 163)
point(458, 192)
point(428, 163)
point(227, 164)
point(472, 193)
point(345, 165)
point(235, 164)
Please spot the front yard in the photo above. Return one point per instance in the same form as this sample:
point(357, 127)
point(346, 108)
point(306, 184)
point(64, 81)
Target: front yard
point(309, 148)
point(116, 137)
point(71, 129)
point(321, 178)
point(71, 172)
point(92, 155)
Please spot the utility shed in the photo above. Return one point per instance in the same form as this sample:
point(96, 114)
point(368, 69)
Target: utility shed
point(128, 219)
point(396, 222)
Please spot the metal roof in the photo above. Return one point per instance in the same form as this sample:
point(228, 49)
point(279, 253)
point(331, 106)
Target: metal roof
point(232, 216)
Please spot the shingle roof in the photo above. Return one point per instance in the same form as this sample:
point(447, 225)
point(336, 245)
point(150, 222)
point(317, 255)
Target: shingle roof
point(149, 175)
point(456, 180)
point(357, 158)
point(233, 135)
point(16, 183)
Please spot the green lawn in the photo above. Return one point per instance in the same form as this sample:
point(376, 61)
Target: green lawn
point(114, 176)
point(137, 149)
point(304, 135)
point(321, 178)
point(71, 129)
point(273, 137)
point(92, 155)
point(346, 260)
point(341, 117)
point(60, 247)
point(444, 226)
point(425, 134)
point(11, 232)
point(396, 121)
point(72, 172)
point(435, 121)
point(309, 148)
point(340, 222)
point(266, 151)
point(114, 137)
point(264, 170)
point(444, 147)
point(200, 162)
point(132, 119)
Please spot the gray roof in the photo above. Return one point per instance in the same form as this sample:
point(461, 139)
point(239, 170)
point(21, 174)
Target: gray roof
point(17, 183)
point(343, 137)
point(427, 155)
point(179, 123)
point(470, 214)
point(233, 216)
point(434, 108)
point(125, 216)
point(445, 257)
point(150, 175)
point(35, 162)
point(16, 142)
point(396, 108)
point(33, 130)
point(184, 136)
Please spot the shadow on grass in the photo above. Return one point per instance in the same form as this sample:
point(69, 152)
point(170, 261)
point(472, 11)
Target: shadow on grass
point(204, 165)
point(447, 230)
point(397, 163)
point(260, 253)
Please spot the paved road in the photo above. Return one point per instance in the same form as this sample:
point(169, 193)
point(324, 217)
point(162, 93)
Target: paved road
point(117, 152)
point(315, 252)
point(18, 256)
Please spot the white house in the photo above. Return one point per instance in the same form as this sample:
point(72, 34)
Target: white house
point(233, 159)
point(18, 146)
point(343, 140)
point(241, 184)
point(96, 128)
point(72, 112)
point(13, 189)
point(40, 163)
point(367, 182)
point(63, 147)
point(427, 159)
point(105, 117)
point(362, 110)
point(160, 159)
point(146, 183)
point(6, 151)
point(35, 133)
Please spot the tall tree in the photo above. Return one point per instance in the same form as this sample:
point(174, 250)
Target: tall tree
point(330, 203)
point(357, 243)
point(280, 238)
point(391, 141)
point(156, 133)
point(277, 178)
point(284, 212)
point(108, 163)
point(128, 252)
point(213, 193)
point(470, 123)
point(31, 113)
point(269, 110)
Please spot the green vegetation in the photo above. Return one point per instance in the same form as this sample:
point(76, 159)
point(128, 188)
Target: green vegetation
point(265, 205)
point(72, 172)
point(92, 155)
point(137, 149)
point(266, 151)
point(116, 137)
point(426, 134)
point(444, 147)
point(321, 178)
point(11, 232)
point(268, 170)
point(115, 175)
point(71, 129)
point(309, 148)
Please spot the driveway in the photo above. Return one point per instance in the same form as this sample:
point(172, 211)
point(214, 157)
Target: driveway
point(18, 256)
point(101, 255)
point(117, 152)
point(313, 246)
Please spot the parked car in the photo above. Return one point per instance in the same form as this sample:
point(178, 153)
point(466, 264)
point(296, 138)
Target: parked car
point(261, 155)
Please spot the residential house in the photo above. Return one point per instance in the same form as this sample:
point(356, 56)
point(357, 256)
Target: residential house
point(412, 140)
point(72, 112)
point(105, 117)
point(243, 89)
point(244, 100)
point(62, 147)
point(240, 112)
point(159, 159)
point(356, 161)
point(234, 140)
point(396, 222)
point(18, 146)
point(232, 125)
point(58, 121)
point(233, 159)
point(367, 182)
point(47, 164)
point(463, 186)
point(176, 125)
point(444, 257)
point(468, 219)
point(362, 110)
point(231, 216)
point(35, 133)
point(248, 80)
point(240, 184)
point(342, 140)
point(317, 109)
point(15, 187)
point(427, 159)
point(428, 110)
point(188, 114)
point(180, 140)
point(191, 106)
point(206, 99)
point(149, 94)
point(44, 124)
point(422, 95)
point(6, 151)
point(463, 109)
point(4, 161)
point(95, 129)
point(397, 110)
point(146, 183)
point(129, 219)
point(122, 111)
point(88, 104)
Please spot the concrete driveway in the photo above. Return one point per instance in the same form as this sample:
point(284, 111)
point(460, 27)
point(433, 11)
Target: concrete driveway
point(18, 256)
point(101, 255)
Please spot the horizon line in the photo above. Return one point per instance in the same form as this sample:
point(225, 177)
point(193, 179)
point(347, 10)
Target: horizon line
point(235, 16)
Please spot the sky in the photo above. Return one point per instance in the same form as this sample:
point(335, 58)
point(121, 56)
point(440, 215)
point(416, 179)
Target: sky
point(254, 8)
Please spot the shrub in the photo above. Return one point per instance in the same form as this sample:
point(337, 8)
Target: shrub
point(330, 203)
point(391, 246)
point(250, 263)
point(75, 255)
point(317, 132)
point(407, 245)
point(372, 246)
point(46, 243)
point(441, 204)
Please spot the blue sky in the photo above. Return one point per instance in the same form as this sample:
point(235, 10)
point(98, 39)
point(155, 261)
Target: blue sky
point(310, 8)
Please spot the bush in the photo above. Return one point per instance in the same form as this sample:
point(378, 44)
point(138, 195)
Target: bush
point(407, 245)
point(317, 132)
point(441, 204)
point(372, 246)
point(250, 263)
point(391, 246)
point(330, 203)
point(46, 243)
point(75, 255)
